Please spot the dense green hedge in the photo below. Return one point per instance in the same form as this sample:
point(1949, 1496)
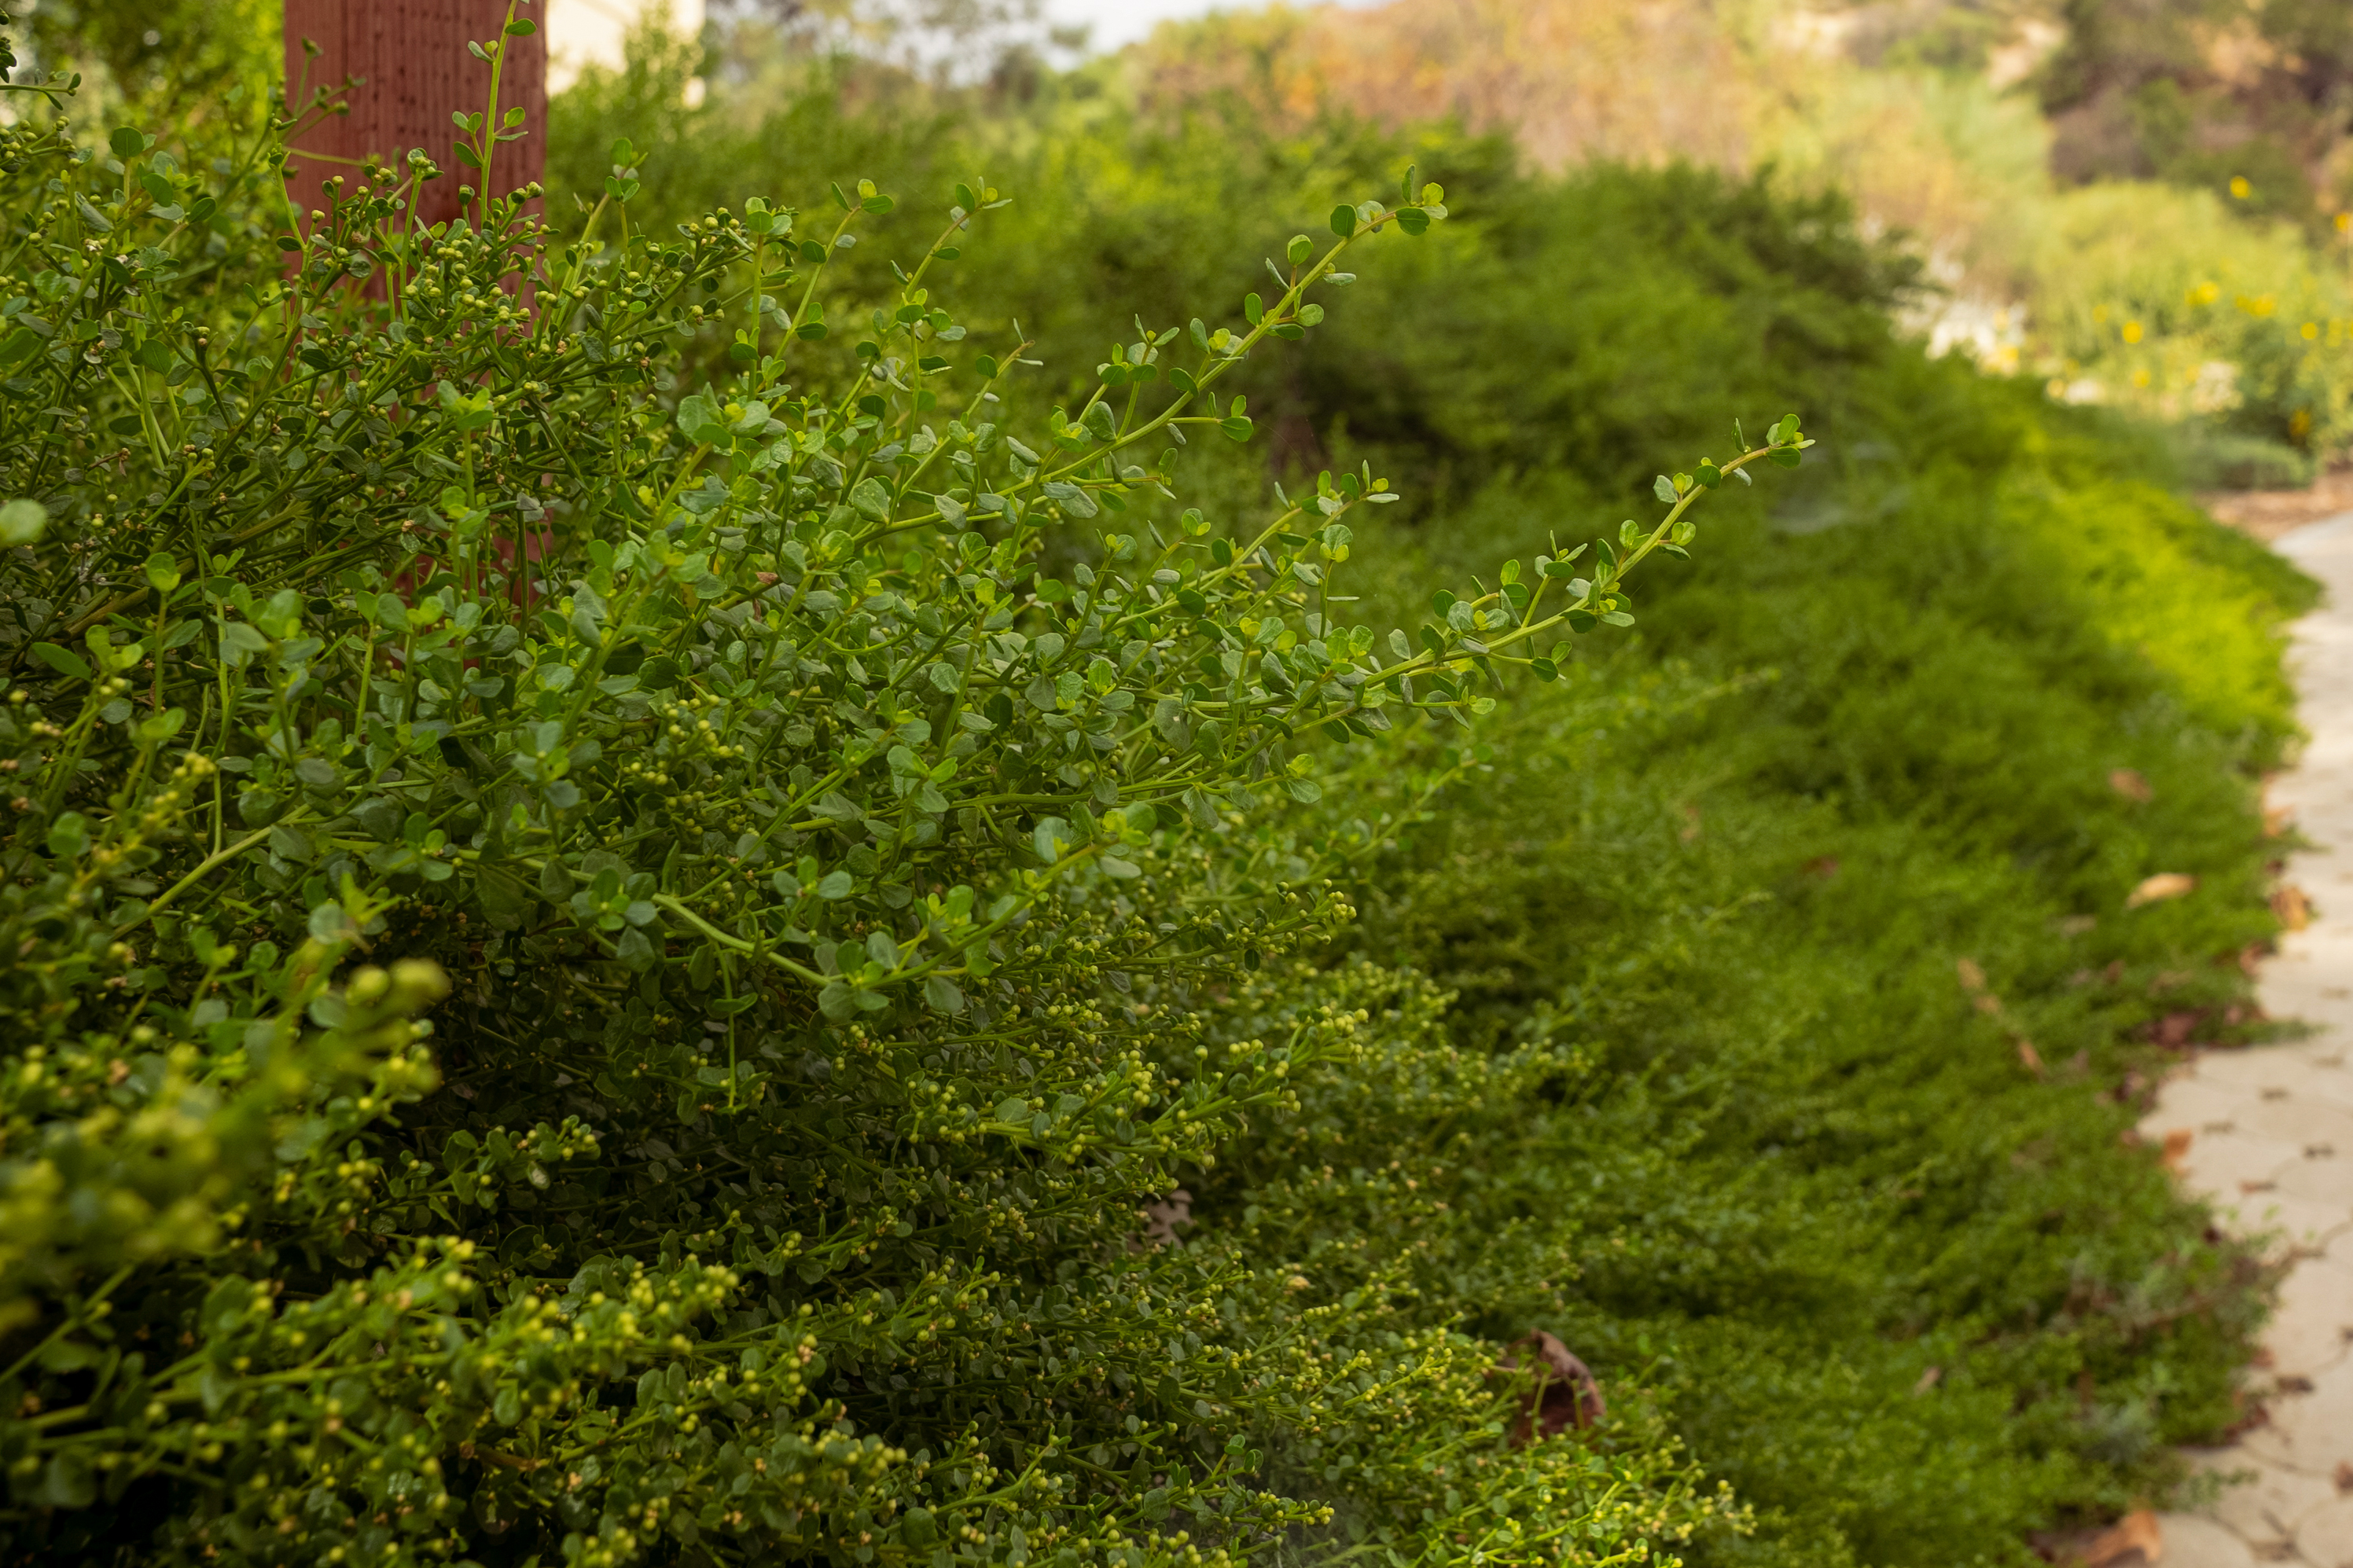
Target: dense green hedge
point(839, 988)
point(1798, 873)
point(1733, 872)
point(855, 859)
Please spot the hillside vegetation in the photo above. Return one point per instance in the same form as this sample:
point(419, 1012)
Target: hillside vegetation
point(2140, 204)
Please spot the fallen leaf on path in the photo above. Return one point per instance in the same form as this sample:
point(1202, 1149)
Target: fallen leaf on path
point(2345, 1476)
point(2137, 1531)
point(2129, 784)
point(2289, 903)
point(2164, 885)
point(2177, 1148)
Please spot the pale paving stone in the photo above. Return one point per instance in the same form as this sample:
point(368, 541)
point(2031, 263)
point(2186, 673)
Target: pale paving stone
point(2309, 1432)
point(2301, 1120)
point(2255, 1068)
point(2194, 1542)
point(2319, 1180)
point(2196, 1107)
point(2329, 1083)
point(2267, 1502)
point(2310, 991)
point(2229, 1167)
point(2293, 1225)
point(2308, 1331)
point(2326, 1535)
point(2291, 1512)
point(2316, 956)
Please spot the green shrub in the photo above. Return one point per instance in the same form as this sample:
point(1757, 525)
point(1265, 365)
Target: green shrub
point(2219, 460)
point(841, 920)
point(1726, 880)
point(1698, 1074)
point(1787, 1164)
point(1723, 1112)
point(1692, 1072)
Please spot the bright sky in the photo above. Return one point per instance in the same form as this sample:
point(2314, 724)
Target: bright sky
point(1118, 22)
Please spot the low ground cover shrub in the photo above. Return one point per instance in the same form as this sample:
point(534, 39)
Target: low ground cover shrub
point(1727, 1107)
point(1815, 892)
point(611, 964)
point(1657, 1034)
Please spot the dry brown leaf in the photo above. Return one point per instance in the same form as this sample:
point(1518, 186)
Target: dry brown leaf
point(1929, 1380)
point(2344, 1474)
point(2164, 885)
point(1566, 1393)
point(2276, 820)
point(2177, 1148)
point(2137, 1531)
point(2294, 910)
point(2030, 1056)
point(2129, 784)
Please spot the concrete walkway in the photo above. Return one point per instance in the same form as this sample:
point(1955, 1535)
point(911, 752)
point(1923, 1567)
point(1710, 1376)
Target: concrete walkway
point(2270, 1141)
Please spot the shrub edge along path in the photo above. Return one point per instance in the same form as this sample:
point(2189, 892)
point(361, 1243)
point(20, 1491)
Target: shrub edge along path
point(2265, 1135)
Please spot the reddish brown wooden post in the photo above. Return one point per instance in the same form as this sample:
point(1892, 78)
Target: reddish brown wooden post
point(415, 70)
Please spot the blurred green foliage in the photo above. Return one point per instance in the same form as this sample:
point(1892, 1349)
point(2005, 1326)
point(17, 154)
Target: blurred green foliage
point(1790, 943)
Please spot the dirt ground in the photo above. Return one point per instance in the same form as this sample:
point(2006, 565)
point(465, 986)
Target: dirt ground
point(2268, 514)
